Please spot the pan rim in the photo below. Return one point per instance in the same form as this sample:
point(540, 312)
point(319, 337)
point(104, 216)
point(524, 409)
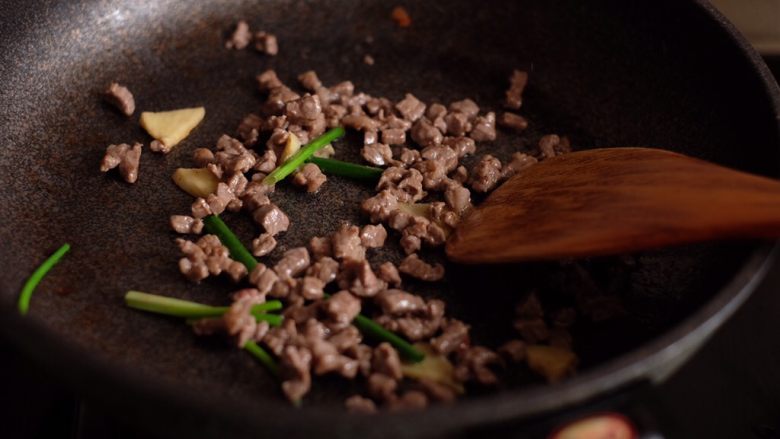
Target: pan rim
point(516, 404)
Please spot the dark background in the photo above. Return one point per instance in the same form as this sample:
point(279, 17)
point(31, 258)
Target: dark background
point(730, 389)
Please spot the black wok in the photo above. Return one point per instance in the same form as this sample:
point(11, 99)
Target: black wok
point(667, 74)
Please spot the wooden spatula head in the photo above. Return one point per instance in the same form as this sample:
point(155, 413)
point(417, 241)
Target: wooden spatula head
point(615, 201)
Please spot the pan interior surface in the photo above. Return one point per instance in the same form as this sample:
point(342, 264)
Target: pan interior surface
point(606, 74)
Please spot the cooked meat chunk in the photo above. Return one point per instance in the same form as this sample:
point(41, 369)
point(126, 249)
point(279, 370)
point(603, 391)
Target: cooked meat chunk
point(310, 177)
point(485, 174)
point(389, 273)
point(519, 162)
point(267, 162)
point(263, 244)
point(474, 364)
point(514, 95)
point(345, 339)
point(441, 153)
point(207, 256)
point(341, 308)
point(256, 194)
point(203, 156)
point(240, 322)
point(381, 387)
point(268, 81)
point(484, 128)
point(457, 197)
point(294, 262)
point(311, 288)
point(424, 133)
point(436, 111)
point(220, 199)
point(360, 122)
point(408, 157)
point(249, 128)
point(266, 43)
point(347, 244)
point(359, 404)
point(373, 236)
point(410, 108)
point(368, 60)
point(466, 106)
point(310, 81)
point(411, 244)
point(386, 361)
point(393, 136)
point(461, 145)
point(186, 224)
point(377, 154)
point(277, 99)
point(513, 351)
point(437, 391)
point(124, 156)
point(240, 38)
point(380, 206)
point(320, 247)
point(263, 278)
point(200, 209)
point(271, 218)
point(325, 269)
point(552, 145)
point(295, 368)
point(454, 336)
point(121, 98)
point(457, 124)
point(405, 184)
point(461, 175)
point(358, 277)
point(233, 157)
point(419, 269)
point(306, 111)
point(398, 303)
point(513, 121)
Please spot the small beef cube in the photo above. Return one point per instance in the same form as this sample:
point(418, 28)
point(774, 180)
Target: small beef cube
point(514, 95)
point(240, 38)
point(263, 244)
point(424, 133)
point(377, 154)
point(454, 336)
point(393, 136)
point(411, 244)
point(552, 145)
point(484, 128)
point(203, 156)
point(401, 17)
point(341, 308)
point(294, 262)
point(474, 365)
point(266, 43)
point(359, 404)
point(461, 175)
point(513, 121)
point(271, 218)
point(380, 206)
point(394, 122)
point(310, 177)
point(389, 273)
point(347, 244)
point(461, 145)
point(457, 124)
point(519, 162)
point(359, 278)
point(295, 367)
point(200, 209)
point(485, 174)
point(457, 197)
point(410, 400)
point(466, 106)
point(437, 391)
point(386, 361)
point(311, 288)
point(360, 122)
point(408, 157)
point(419, 269)
point(381, 387)
point(310, 81)
point(325, 268)
point(368, 60)
point(263, 278)
point(268, 81)
point(442, 153)
point(125, 157)
point(186, 224)
point(369, 138)
point(398, 303)
point(373, 236)
point(121, 98)
point(435, 111)
point(320, 247)
point(410, 108)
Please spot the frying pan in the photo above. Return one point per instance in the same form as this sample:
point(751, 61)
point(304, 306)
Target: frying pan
point(671, 74)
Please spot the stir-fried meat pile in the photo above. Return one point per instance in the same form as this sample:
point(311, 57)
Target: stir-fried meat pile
point(424, 190)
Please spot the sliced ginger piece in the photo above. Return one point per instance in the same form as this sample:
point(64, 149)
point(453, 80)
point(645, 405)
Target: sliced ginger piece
point(434, 367)
point(325, 152)
point(553, 363)
point(171, 127)
point(290, 148)
point(198, 182)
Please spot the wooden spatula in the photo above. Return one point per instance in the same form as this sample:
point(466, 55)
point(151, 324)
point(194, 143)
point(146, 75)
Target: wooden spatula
point(614, 201)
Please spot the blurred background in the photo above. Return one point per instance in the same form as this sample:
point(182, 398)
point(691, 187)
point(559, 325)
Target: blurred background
point(731, 389)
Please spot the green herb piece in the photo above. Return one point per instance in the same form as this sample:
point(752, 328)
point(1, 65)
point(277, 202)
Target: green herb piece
point(291, 164)
point(37, 276)
point(367, 174)
point(263, 356)
point(375, 330)
point(272, 319)
point(216, 226)
point(171, 306)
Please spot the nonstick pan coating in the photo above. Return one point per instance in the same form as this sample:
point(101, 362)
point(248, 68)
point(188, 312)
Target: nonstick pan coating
point(668, 74)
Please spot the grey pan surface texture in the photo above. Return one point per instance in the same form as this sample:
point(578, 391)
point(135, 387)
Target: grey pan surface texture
point(668, 74)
